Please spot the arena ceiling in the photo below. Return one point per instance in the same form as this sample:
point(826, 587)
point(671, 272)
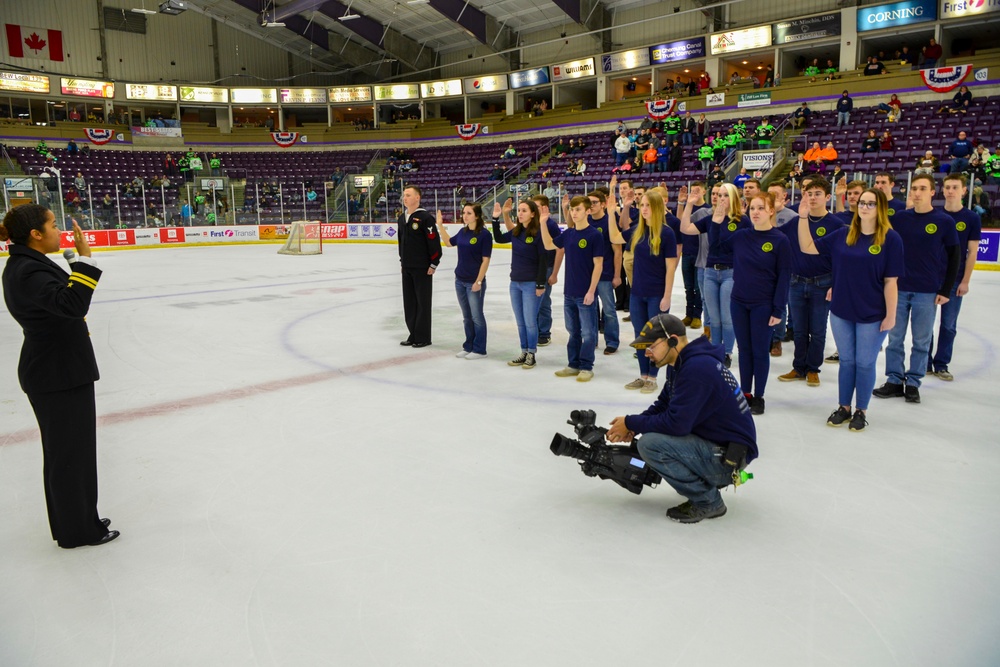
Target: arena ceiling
point(382, 38)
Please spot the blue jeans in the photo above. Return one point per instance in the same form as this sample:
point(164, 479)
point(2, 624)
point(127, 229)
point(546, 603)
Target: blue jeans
point(642, 309)
point(843, 118)
point(917, 308)
point(581, 323)
point(858, 345)
point(958, 165)
point(810, 309)
point(473, 318)
point(706, 319)
point(545, 309)
point(718, 288)
point(687, 139)
point(620, 158)
point(525, 305)
point(946, 333)
point(691, 292)
point(606, 293)
point(690, 464)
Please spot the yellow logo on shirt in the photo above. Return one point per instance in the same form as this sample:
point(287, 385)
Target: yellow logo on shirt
point(582, 243)
point(931, 228)
point(960, 226)
point(415, 226)
point(731, 227)
point(821, 231)
point(473, 241)
point(530, 239)
point(767, 247)
point(875, 249)
point(892, 212)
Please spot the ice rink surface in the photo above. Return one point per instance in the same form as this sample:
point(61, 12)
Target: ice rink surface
point(295, 488)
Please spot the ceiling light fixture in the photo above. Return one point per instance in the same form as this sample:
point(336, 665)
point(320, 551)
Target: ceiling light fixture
point(348, 16)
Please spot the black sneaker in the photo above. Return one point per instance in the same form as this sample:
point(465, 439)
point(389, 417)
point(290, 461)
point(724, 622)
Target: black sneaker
point(756, 405)
point(728, 361)
point(858, 421)
point(610, 350)
point(889, 390)
point(690, 513)
point(840, 416)
point(833, 358)
point(912, 394)
point(544, 340)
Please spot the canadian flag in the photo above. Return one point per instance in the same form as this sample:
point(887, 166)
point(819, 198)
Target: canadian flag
point(26, 42)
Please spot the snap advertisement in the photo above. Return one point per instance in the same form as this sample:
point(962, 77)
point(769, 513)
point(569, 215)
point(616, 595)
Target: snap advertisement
point(896, 14)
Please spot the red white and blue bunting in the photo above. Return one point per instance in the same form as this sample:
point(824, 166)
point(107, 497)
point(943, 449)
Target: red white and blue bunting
point(285, 139)
point(660, 109)
point(99, 136)
point(945, 79)
point(468, 131)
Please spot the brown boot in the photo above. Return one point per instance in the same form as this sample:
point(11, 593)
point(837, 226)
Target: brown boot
point(812, 379)
point(708, 333)
point(776, 348)
point(791, 376)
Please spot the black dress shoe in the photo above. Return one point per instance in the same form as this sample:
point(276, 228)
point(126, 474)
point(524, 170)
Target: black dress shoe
point(104, 539)
point(420, 344)
point(406, 342)
point(106, 522)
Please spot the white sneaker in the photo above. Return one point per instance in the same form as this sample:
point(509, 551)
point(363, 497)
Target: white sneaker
point(584, 376)
point(472, 356)
point(462, 355)
point(648, 387)
point(636, 384)
point(567, 372)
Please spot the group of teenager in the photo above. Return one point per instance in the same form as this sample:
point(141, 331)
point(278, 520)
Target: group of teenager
point(868, 266)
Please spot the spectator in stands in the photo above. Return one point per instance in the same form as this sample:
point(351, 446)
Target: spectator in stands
point(689, 129)
point(703, 128)
point(959, 154)
point(765, 133)
point(769, 77)
point(560, 149)
point(837, 175)
point(741, 178)
point(716, 177)
point(830, 71)
point(794, 176)
point(581, 167)
point(642, 142)
point(622, 148)
point(960, 103)
point(932, 55)
point(676, 156)
point(337, 177)
point(978, 161)
point(801, 116)
point(215, 164)
point(845, 105)
point(510, 153)
point(80, 182)
point(907, 57)
point(573, 147)
point(928, 164)
point(73, 198)
point(893, 105)
point(498, 172)
point(981, 204)
point(704, 81)
point(813, 153)
point(42, 148)
point(735, 78)
point(875, 67)
point(871, 144)
point(816, 167)
point(550, 192)
point(662, 155)
point(706, 154)
point(72, 148)
point(887, 142)
point(311, 194)
point(813, 68)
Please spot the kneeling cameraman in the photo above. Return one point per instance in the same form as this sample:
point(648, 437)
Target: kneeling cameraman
point(699, 432)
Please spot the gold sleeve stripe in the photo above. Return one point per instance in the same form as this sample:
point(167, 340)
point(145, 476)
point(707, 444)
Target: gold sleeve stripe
point(83, 280)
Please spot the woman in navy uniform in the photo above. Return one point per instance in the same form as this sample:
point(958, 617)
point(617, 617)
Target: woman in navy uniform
point(57, 368)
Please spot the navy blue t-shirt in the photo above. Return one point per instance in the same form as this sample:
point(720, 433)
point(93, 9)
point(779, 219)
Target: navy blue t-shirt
point(861, 270)
point(649, 271)
point(527, 257)
point(811, 266)
point(690, 242)
point(925, 237)
point(581, 247)
point(602, 226)
point(472, 247)
point(762, 267)
point(969, 227)
point(895, 206)
point(554, 232)
point(718, 235)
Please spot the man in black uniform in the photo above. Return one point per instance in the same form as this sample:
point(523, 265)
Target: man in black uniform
point(57, 368)
point(419, 255)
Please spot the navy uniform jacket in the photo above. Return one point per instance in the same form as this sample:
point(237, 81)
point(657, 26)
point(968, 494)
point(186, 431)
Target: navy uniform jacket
point(419, 243)
point(50, 306)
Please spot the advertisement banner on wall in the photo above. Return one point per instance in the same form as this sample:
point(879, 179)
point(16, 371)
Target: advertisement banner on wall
point(625, 60)
point(156, 131)
point(350, 94)
point(87, 88)
point(529, 77)
point(758, 161)
point(573, 70)
point(171, 235)
point(485, 84)
point(715, 99)
point(896, 14)
point(954, 9)
point(741, 40)
point(802, 30)
point(204, 94)
point(400, 91)
point(448, 88)
point(679, 50)
point(989, 247)
point(753, 100)
point(334, 231)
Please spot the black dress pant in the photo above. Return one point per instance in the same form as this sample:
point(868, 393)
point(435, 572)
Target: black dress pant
point(68, 422)
point(623, 292)
point(418, 288)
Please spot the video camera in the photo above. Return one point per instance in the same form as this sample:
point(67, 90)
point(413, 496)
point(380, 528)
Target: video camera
point(621, 464)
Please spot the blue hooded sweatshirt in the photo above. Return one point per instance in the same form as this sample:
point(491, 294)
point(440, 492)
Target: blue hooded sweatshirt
point(700, 397)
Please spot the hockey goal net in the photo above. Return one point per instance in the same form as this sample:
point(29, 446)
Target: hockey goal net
point(304, 238)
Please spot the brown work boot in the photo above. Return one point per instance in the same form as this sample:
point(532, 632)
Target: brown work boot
point(791, 376)
point(812, 379)
point(687, 321)
point(776, 348)
point(708, 333)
